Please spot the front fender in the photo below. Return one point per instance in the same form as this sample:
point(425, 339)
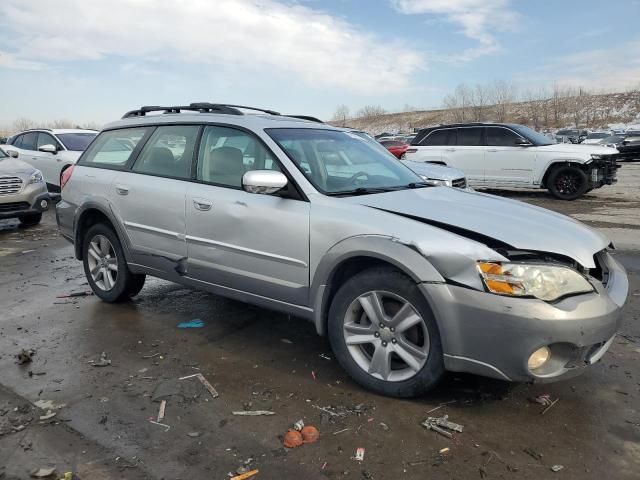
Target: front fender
point(403, 256)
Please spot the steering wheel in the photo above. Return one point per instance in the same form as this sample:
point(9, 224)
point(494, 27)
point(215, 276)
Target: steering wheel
point(353, 177)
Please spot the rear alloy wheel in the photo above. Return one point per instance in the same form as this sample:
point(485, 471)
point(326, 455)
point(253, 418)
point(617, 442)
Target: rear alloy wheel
point(383, 333)
point(568, 182)
point(105, 266)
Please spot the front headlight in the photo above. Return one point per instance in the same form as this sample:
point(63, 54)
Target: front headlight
point(435, 182)
point(597, 157)
point(36, 177)
point(546, 282)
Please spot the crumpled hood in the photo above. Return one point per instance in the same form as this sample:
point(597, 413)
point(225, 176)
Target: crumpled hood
point(581, 149)
point(12, 166)
point(515, 223)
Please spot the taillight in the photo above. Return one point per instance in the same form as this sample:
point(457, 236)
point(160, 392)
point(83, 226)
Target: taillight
point(66, 175)
point(412, 150)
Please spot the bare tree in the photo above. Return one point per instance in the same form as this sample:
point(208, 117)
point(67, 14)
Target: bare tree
point(576, 103)
point(23, 124)
point(341, 115)
point(503, 95)
point(370, 111)
point(479, 98)
point(61, 123)
point(533, 107)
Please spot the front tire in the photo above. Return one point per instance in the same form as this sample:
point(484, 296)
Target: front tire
point(105, 266)
point(383, 333)
point(567, 182)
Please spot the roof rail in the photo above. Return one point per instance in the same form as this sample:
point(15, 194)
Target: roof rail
point(35, 129)
point(202, 107)
point(306, 117)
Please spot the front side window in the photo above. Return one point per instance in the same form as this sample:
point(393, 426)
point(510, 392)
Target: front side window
point(169, 152)
point(114, 147)
point(338, 162)
point(46, 139)
point(227, 153)
point(77, 142)
point(470, 136)
point(502, 137)
point(29, 141)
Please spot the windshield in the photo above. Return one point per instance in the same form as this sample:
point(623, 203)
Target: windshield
point(77, 142)
point(597, 135)
point(530, 134)
point(342, 163)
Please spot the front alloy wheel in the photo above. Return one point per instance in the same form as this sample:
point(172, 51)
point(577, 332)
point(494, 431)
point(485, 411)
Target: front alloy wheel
point(103, 262)
point(386, 336)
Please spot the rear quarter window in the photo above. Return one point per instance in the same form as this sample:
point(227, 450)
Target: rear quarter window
point(114, 148)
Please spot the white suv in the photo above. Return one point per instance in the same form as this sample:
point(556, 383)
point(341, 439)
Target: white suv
point(515, 156)
point(51, 151)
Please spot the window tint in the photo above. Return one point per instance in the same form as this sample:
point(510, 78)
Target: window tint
point(501, 137)
point(445, 136)
point(226, 154)
point(17, 141)
point(29, 141)
point(46, 139)
point(114, 148)
point(76, 142)
point(168, 152)
point(470, 136)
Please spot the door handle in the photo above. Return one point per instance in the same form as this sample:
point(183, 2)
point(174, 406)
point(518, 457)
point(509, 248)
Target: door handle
point(122, 190)
point(492, 150)
point(449, 149)
point(202, 204)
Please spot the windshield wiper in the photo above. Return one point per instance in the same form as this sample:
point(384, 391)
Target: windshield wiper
point(360, 191)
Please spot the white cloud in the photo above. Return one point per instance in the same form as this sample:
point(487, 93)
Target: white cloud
point(9, 60)
point(477, 18)
point(256, 36)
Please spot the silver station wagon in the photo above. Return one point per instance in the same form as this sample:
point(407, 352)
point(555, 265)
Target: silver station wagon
point(406, 279)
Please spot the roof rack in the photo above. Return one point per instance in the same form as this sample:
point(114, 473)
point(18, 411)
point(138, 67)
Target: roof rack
point(202, 107)
point(306, 117)
point(35, 129)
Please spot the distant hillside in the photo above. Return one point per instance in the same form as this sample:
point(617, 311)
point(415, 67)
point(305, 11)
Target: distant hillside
point(589, 111)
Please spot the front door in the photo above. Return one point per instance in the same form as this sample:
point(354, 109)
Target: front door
point(245, 241)
point(467, 154)
point(507, 163)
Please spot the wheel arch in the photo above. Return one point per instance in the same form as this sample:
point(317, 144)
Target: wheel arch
point(362, 252)
point(561, 163)
point(92, 214)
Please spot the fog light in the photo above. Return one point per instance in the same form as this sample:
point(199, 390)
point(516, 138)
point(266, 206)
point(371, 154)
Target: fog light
point(539, 358)
point(44, 204)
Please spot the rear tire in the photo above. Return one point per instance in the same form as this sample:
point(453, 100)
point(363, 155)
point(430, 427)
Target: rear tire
point(403, 357)
point(105, 266)
point(30, 220)
point(567, 182)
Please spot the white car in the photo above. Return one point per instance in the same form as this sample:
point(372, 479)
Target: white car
point(51, 151)
point(515, 156)
point(594, 138)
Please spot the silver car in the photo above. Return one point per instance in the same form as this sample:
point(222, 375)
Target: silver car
point(23, 193)
point(406, 279)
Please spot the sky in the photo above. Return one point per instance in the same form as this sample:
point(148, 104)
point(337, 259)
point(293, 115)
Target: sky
point(90, 61)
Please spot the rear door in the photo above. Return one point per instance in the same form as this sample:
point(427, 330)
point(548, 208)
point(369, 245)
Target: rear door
point(150, 199)
point(433, 146)
point(507, 163)
point(468, 154)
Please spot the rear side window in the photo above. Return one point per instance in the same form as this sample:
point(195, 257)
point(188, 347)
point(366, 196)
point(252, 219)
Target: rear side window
point(501, 137)
point(169, 152)
point(471, 136)
point(29, 141)
point(445, 136)
point(114, 148)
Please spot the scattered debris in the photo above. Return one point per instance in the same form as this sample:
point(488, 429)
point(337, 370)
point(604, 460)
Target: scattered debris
point(299, 425)
point(384, 426)
point(43, 472)
point(25, 356)
point(286, 340)
point(542, 399)
point(310, 434)
point(195, 323)
point(246, 475)
point(444, 451)
point(204, 382)
point(341, 431)
point(151, 356)
point(85, 293)
point(49, 405)
point(440, 406)
point(549, 407)
point(326, 357)
point(532, 453)
point(49, 415)
point(313, 374)
point(103, 362)
point(163, 405)
point(359, 454)
point(557, 468)
point(193, 434)
point(438, 424)
point(253, 413)
point(292, 439)
point(166, 427)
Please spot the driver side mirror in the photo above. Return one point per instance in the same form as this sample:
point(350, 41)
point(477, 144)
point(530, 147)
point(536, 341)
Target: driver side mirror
point(521, 142)
point(12, 153)
point(48, 148)
point(265, 182)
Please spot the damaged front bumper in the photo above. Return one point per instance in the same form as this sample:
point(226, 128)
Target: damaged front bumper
point(495, 335)
point(603, 171)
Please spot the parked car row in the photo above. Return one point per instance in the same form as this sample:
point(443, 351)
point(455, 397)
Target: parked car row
point(406, 279)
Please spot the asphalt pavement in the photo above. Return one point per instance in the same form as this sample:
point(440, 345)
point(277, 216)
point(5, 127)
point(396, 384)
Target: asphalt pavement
point(260, 360)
